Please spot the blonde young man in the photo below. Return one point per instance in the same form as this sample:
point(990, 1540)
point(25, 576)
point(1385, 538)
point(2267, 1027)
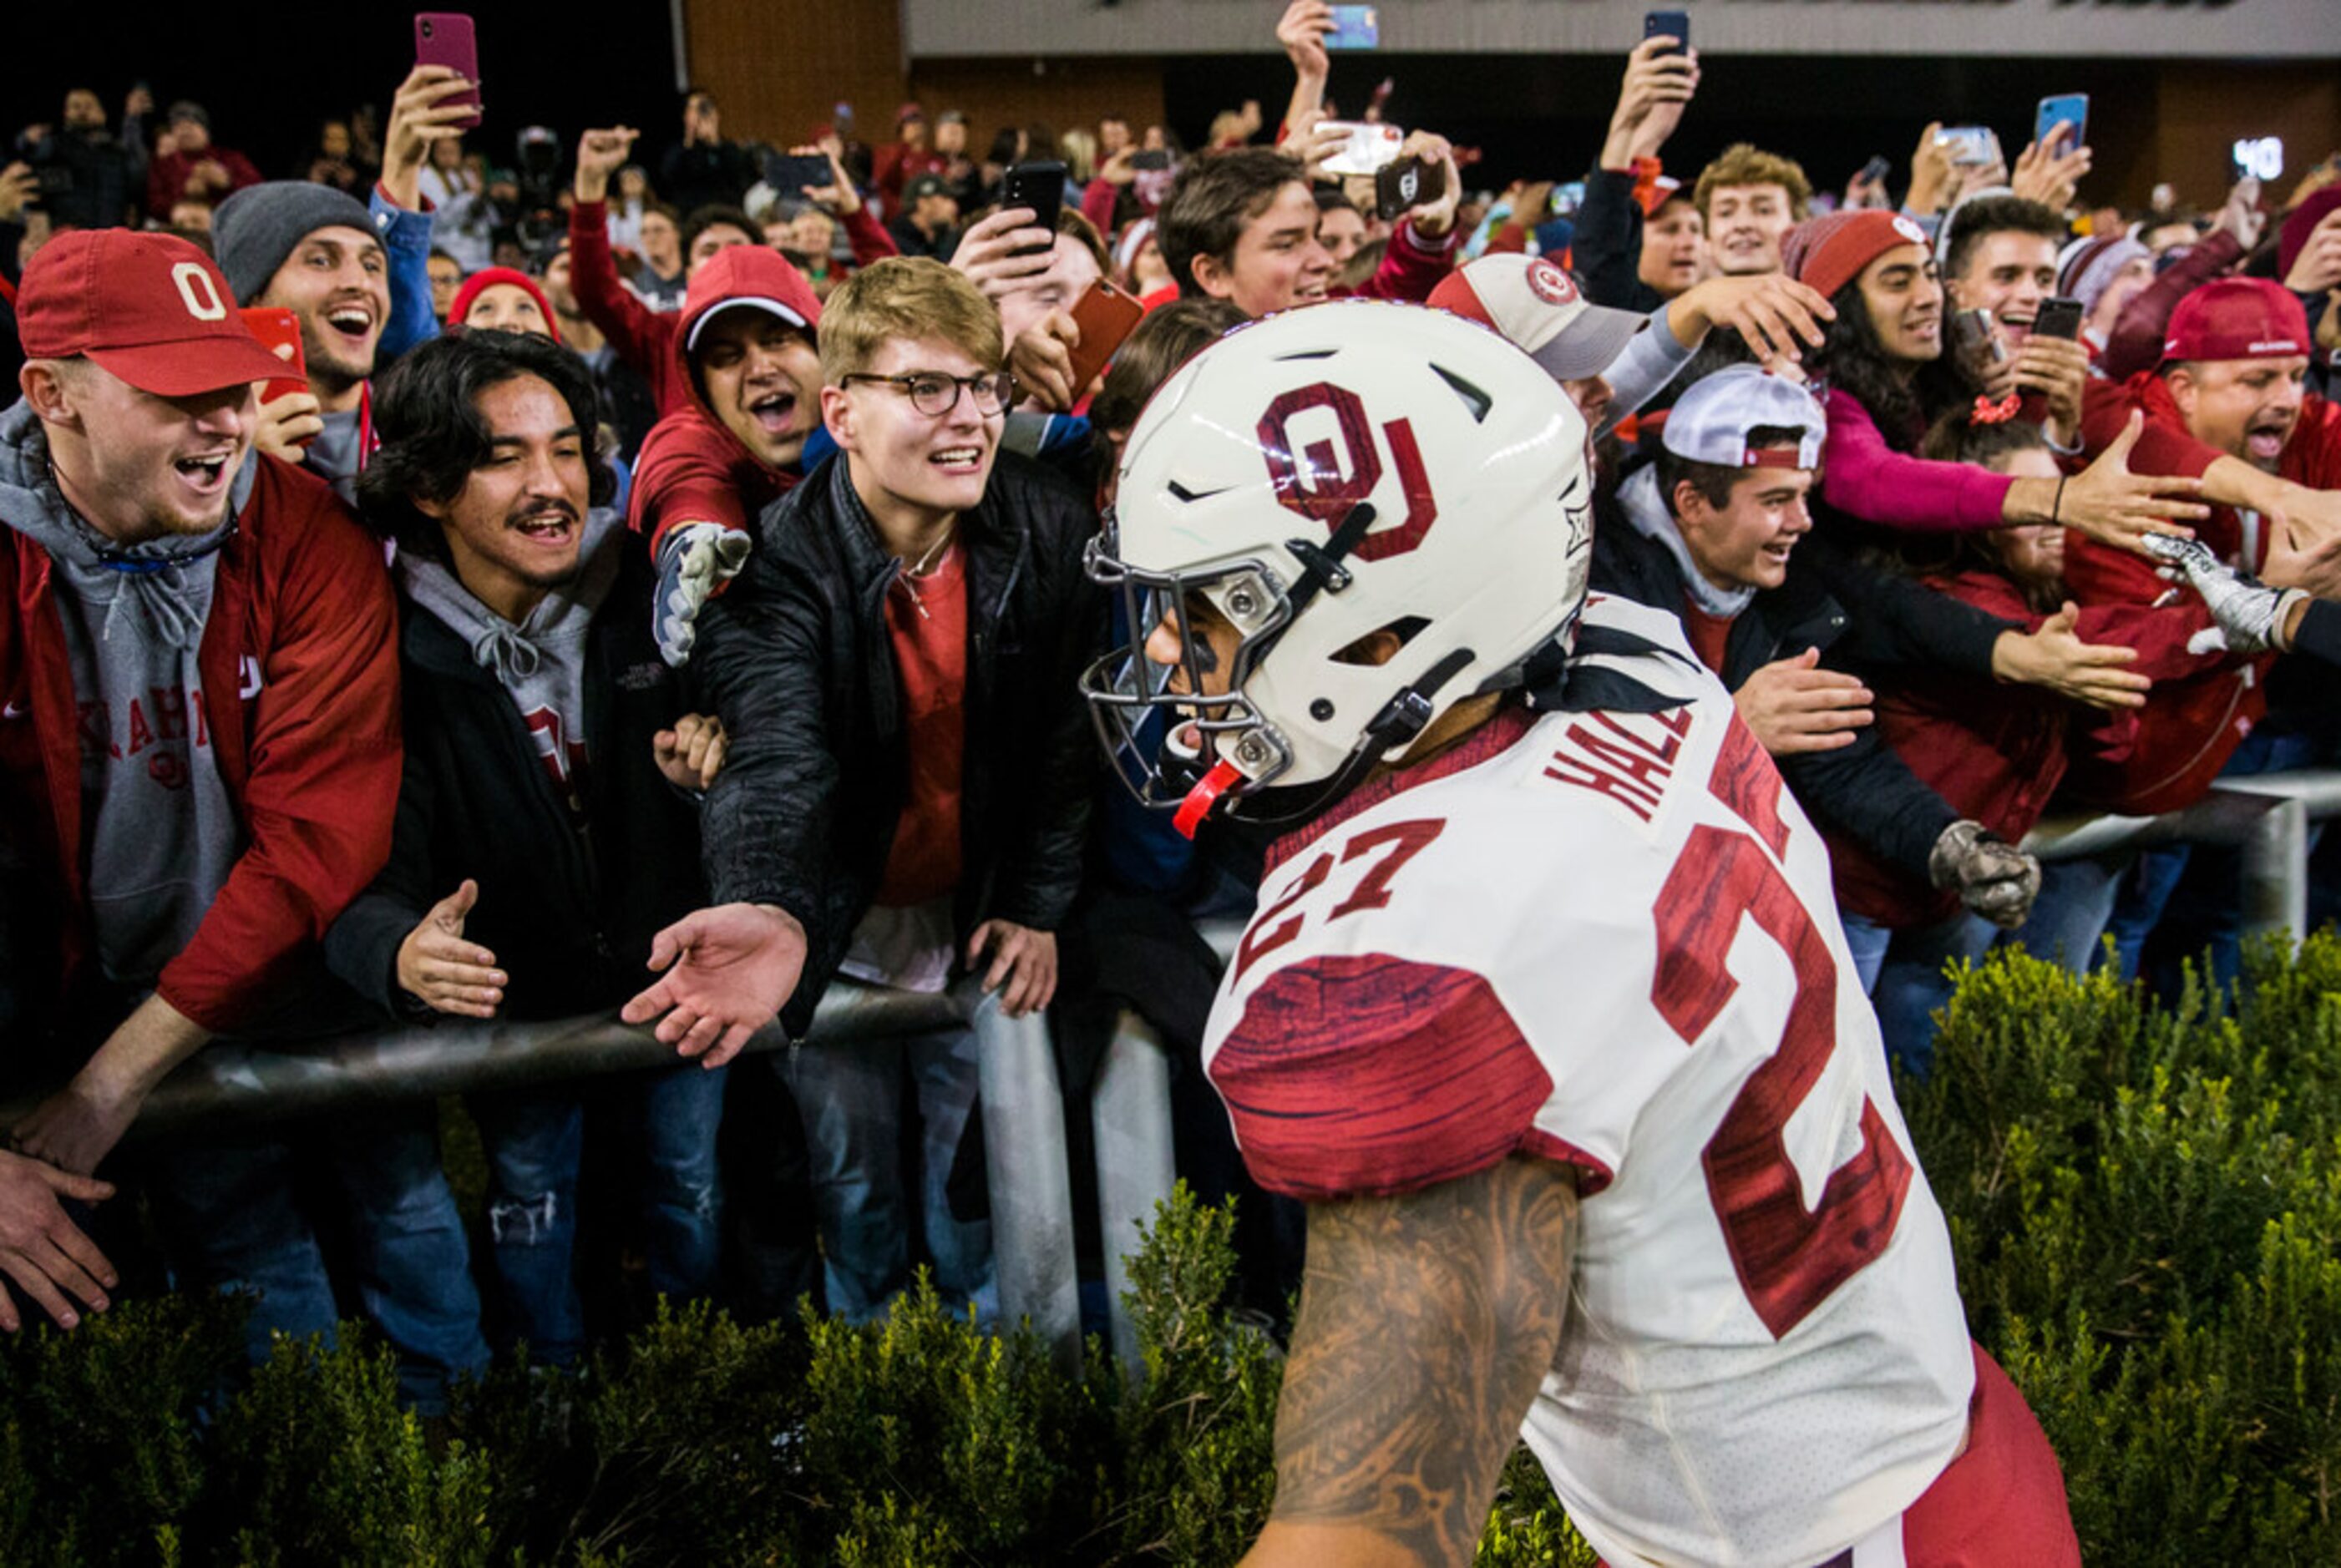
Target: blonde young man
point(909, 788)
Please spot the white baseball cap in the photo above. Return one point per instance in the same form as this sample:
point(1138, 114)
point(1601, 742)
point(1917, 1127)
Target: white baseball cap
point(1711, 422)
point(1534, 302)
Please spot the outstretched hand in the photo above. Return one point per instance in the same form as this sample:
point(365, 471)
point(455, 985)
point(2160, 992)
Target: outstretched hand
point(2054, 658)
point(1023, 969)
point(2117, 508)
point(729, 970)
point(42, 1249)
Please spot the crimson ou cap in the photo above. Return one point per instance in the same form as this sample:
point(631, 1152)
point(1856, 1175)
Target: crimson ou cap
point(1711, 422)
point(150, 308)
point(2238, 319)
point(1536, 304)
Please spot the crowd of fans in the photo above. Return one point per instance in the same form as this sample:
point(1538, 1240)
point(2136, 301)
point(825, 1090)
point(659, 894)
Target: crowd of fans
point(735, 503)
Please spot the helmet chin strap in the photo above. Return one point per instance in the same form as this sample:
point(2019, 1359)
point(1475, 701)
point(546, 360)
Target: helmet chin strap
point(1402, 718)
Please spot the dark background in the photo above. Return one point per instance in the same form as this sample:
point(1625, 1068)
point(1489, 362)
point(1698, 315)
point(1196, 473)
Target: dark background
point(269, 75)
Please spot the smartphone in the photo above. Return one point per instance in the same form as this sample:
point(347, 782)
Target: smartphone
point(1405, 185)
point(1371, 147)
point(789, 173)
point(1876, 169)
point(1674, 25)
point(1568, 197)
point(1355, 27)
point(1106, 315)
point(445, 38)
point(2068, 108)
point(279, 331)
point(1151, 158)
point(2057, 317)
point(2258, 158)
point(1970, 145)
point(1042, 187)
point(841, 119)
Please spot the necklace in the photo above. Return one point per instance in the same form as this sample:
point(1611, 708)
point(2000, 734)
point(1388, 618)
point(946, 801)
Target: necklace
point(925, 566)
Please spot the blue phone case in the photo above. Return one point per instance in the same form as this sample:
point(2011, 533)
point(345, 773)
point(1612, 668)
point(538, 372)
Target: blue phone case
point(2072, 108)
point(1354, 27)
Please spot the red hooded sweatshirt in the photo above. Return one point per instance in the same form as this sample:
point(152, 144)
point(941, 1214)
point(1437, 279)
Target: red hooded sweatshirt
point(2191, 726)
point(692, 468)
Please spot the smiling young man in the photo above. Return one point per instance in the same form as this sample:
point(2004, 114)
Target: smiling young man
point(199, 747)
point(1999, 255)
point(543, 831)
point(908, 781)
point(1750, 199)
point(1242, 225)
point(1706, 532)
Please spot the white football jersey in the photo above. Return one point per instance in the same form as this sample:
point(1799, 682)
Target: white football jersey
point(1608, 940)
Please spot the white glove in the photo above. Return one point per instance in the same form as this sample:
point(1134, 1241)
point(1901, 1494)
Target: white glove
point(2249, 613)
point(1991, 875)
point(695, 559)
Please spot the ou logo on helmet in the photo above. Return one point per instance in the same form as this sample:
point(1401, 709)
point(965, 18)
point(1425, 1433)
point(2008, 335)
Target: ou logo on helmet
point(1323, 485)
point(198, 292)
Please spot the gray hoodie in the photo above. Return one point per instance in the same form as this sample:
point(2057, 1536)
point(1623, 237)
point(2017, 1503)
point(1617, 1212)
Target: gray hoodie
point(541, 662)
point(161, 832)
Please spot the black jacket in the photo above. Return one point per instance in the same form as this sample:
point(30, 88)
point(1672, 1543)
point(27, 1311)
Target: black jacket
point(1607, 247)
point(569, 915)
point(1863, 789)
point(797, 659)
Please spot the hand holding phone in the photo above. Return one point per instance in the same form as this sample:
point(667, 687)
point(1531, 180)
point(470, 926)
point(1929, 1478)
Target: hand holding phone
point(1408, 183)
point(1105, 316)
point(1355, 27)
point(445, 38)
point(279, 331)
point(2067, 109)
point(1042, 187)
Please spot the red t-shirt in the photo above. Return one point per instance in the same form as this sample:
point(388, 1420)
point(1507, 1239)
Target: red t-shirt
point(1708, 634)
point(926, 618)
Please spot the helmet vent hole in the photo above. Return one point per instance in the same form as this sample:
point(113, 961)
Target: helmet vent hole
point(1320, 711)
point(1474, 398)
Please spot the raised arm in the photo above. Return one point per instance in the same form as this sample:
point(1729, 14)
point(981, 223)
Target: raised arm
point(1428, 1321)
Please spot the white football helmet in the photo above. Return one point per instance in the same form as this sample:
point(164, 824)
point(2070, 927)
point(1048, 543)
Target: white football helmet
point(1318, 476)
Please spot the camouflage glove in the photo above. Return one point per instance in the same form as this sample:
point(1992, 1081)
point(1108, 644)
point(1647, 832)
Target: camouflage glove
point(2250, 614)
point(1992, 876)
point(695, 559)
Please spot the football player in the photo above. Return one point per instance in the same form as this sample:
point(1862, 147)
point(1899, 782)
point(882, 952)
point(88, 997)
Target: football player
point(1545, 1012)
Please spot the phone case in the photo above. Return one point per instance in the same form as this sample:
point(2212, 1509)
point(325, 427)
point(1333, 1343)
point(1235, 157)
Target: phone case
point(2071, 108)
point(446, 38)
point(1106, 315)
point(1372, 146)
point(1407, 184)
point(1354, 27)
point(1039, 186)
point(279, 331)
point(1675, 24)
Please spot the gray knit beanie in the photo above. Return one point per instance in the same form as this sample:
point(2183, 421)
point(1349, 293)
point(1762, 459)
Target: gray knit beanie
point(256, 228)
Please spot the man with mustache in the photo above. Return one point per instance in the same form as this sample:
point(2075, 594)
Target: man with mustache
point(199, 753)
point(546, 823)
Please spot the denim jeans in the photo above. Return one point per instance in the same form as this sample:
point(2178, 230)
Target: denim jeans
point(534, 1144)
point(851, 1099)
point(680, 1110)
point(1903, 970)
point(229, 1211)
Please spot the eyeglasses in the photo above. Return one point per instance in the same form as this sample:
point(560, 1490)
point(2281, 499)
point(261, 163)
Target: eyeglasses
point(934, 395)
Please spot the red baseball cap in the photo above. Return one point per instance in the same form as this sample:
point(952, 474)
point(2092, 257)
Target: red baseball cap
point(150, 308)
point(1530, 300)
point(2238, 319)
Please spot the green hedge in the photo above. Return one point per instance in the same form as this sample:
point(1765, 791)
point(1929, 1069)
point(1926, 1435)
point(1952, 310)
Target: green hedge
point(2145, 1203)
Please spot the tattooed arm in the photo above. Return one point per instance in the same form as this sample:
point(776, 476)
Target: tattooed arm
point(1426, 1323)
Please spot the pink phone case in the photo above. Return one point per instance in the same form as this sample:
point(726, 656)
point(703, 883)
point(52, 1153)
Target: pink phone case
point(445, 38)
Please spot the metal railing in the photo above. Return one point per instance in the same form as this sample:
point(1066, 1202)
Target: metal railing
point(1028, 1168)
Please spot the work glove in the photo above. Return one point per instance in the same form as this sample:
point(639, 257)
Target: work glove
point(695, 559)
point(2248, 612)
point(1991, 875)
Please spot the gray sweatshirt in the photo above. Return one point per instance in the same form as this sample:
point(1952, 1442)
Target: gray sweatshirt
point(541, 662)
point(160, 831)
